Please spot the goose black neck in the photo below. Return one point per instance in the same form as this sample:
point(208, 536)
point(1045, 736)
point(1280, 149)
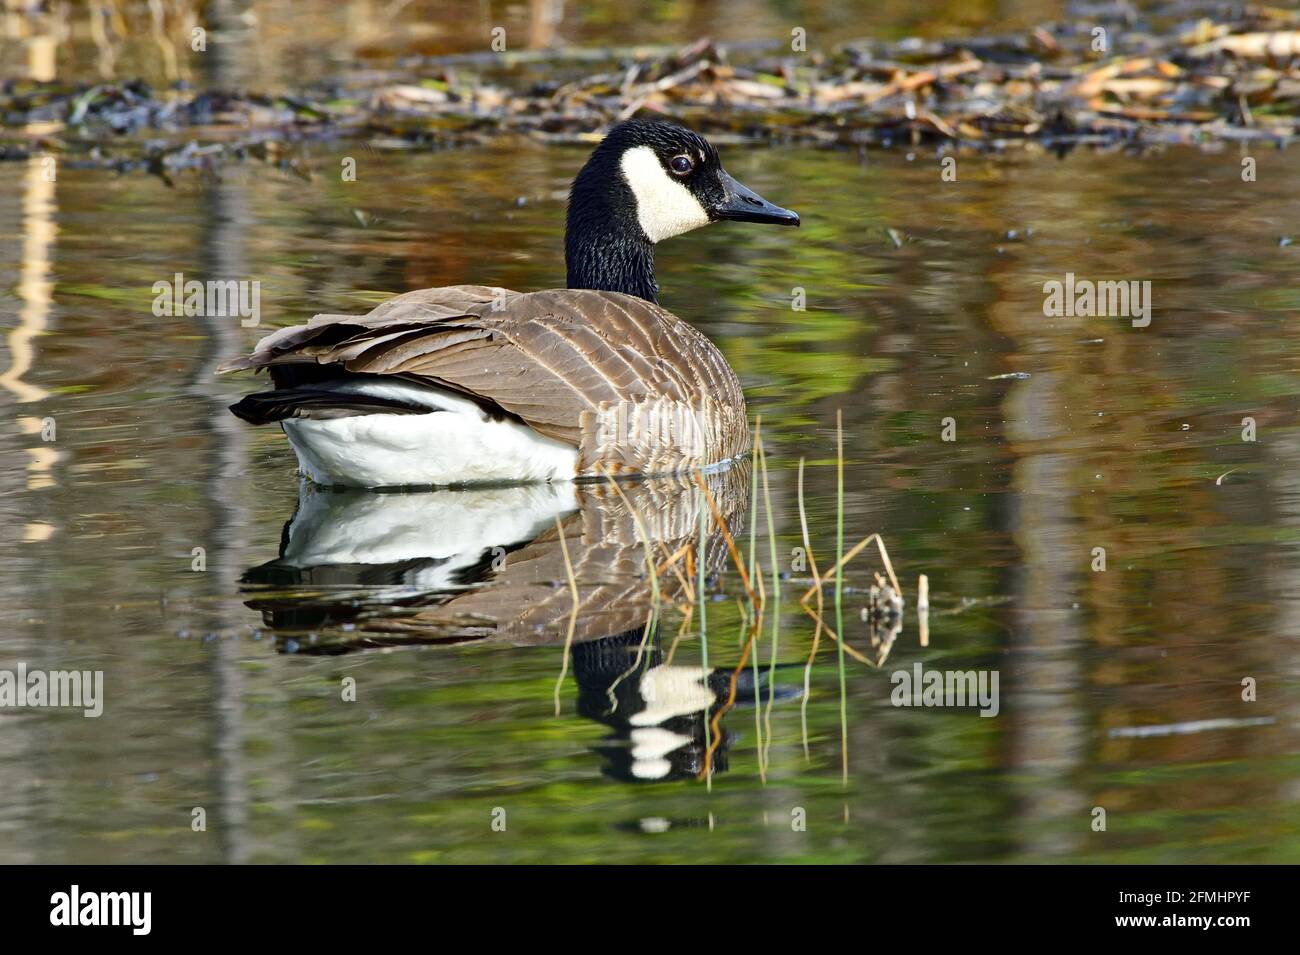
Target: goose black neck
point(612, 263)
point(604, 245)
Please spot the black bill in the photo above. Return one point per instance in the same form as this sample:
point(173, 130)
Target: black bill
point(743, 204)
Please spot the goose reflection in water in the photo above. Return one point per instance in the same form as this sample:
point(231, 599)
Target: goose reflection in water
point(359, 569)
point(657, 711)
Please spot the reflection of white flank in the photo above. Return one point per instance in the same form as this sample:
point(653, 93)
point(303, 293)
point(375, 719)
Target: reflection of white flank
point(655, 742)
point(651, 769)
point(672, 691)
point(650, 748)
point(454, 526)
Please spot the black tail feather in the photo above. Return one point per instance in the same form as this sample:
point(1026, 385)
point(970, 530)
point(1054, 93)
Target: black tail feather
point(266, 407)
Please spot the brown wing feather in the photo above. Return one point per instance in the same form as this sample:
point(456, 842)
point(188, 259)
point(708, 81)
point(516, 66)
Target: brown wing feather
point(630, 385)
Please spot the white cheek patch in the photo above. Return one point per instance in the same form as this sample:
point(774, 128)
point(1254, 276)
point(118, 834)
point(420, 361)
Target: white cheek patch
point(664, 207)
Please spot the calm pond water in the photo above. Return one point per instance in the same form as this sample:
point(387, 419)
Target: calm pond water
point(224, 686)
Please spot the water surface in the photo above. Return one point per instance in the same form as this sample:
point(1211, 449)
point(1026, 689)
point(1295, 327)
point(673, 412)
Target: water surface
point(224, 687)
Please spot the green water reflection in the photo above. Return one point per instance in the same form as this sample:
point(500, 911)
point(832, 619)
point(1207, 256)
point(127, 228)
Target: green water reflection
point(1071, 434)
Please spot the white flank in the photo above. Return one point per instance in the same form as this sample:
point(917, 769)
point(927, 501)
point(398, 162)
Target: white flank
point(664, 206)
point(458, 444)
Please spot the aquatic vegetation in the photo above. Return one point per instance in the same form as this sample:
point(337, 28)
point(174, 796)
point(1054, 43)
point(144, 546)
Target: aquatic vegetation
point(682, 529)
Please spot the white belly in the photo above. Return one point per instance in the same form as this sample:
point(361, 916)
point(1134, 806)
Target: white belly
point(453, 446)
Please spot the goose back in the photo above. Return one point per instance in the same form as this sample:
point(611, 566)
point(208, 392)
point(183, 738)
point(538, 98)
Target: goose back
point(631, 386)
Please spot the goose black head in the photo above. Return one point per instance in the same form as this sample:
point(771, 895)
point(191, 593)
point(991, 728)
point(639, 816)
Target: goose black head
point(644, 183)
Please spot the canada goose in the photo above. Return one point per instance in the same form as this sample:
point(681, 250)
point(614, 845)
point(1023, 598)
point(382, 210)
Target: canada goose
point(468, 384)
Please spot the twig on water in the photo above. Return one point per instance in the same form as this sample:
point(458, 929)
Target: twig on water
point(776, 604)
point(833, 574)
point(726, 536)
point(573, 614)
point(652, 615)
point(839, 589)
point(923, 609)
point(817, 633)
point(704, 650)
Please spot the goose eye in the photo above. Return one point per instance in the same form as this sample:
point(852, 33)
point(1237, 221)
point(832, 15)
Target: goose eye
point(681, 165)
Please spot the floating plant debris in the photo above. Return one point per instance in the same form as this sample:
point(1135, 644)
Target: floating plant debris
point(1233, 75)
